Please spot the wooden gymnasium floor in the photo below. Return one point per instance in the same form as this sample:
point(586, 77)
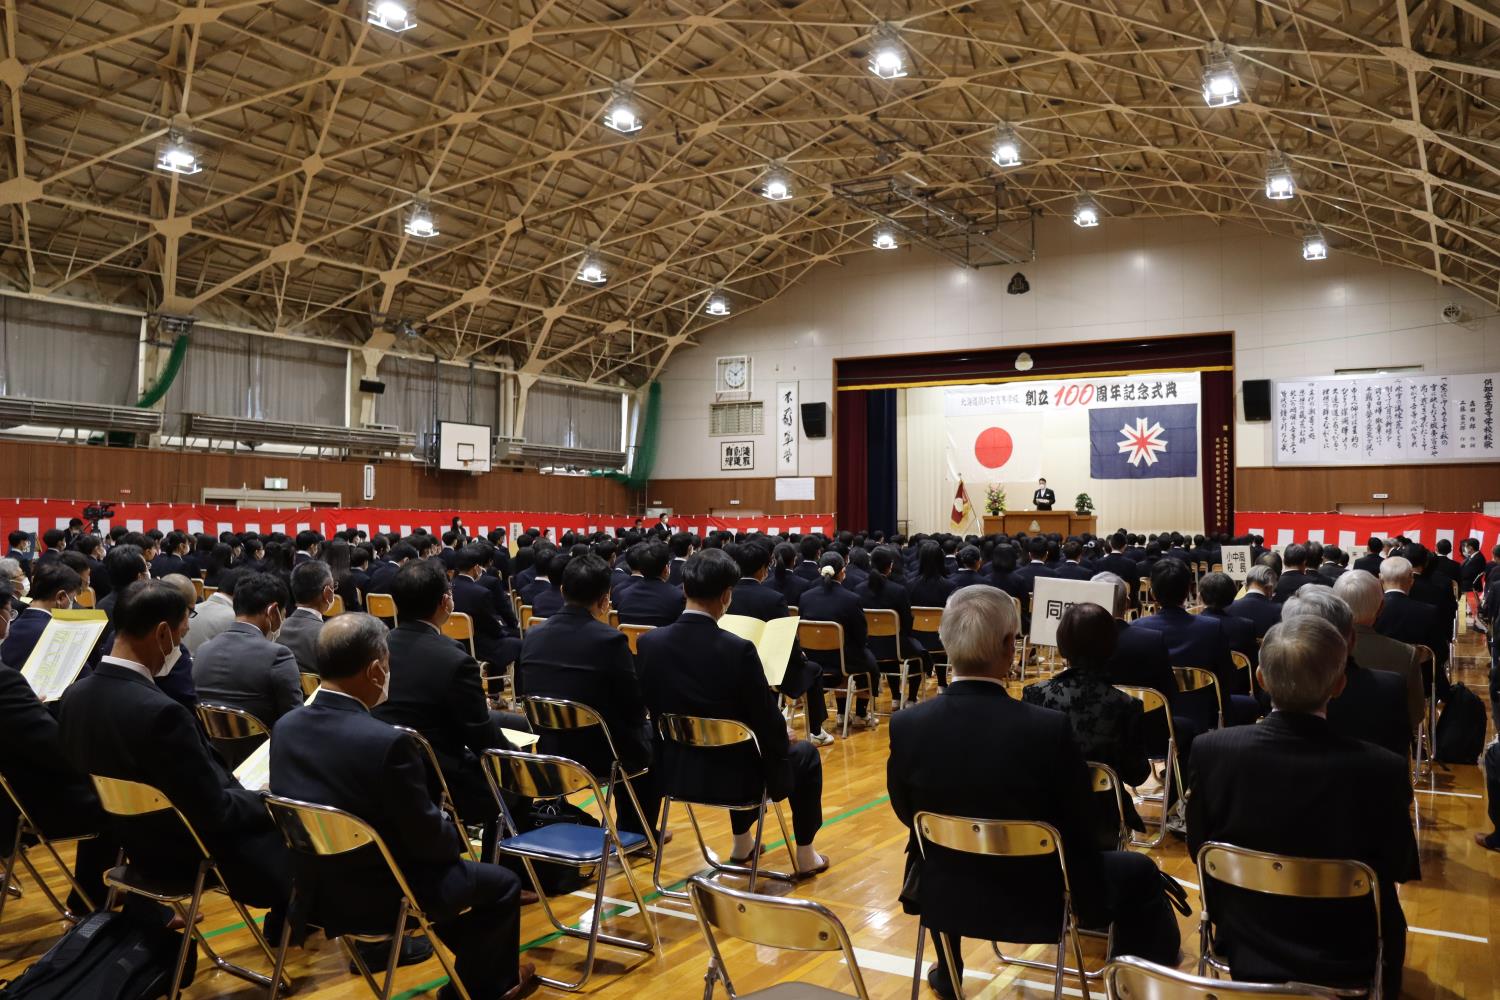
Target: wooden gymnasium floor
point(1454, 912)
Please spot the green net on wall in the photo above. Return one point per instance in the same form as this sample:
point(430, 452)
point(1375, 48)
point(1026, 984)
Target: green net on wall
point(645, 448)
point(154, 392)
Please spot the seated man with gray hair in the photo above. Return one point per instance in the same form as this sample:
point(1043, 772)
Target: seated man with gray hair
point(1256, 606)
point(1373, 651)
point(976, 751)
point(1372, 706)
point(1410, 621)
point(1293, 785)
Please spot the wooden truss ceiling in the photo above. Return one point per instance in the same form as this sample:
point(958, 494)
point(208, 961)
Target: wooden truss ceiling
point(318, 132)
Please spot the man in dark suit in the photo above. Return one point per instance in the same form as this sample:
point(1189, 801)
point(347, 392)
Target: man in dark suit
point(968, 574)
point(1373, 651)
point(1072, 568)
point(977, 722)
point(693, 667)
point(1409, 621)
point(1217, 591)
point(1256, 606)
point(59, 799)
point(497, 635)
point(1118, 563)
point(1433, 588)
point(335, 753)
point(18, 547)
point(753, 599)
point(811, 550)
point(1043, 498)
point(575, 654)
point(53, 587)
point(117, 723)
point(1194, 641)
point(1293, 785)
point(541, 577)
point(1294, 573)
point(651, 601)
point(173, 548)
point(1332, 566)
point(307, 543)
point(1372, 706)
point(312, 589)
point(632, 575)
point(436, 690)
point(1441, 562)
point(383, 573)
point(1370, 561)
point(682, 545)
point(242, 666)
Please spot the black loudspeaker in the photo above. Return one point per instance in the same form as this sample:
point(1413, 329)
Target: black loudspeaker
point(815, 419)
point(1256, 393)
point(371, 385)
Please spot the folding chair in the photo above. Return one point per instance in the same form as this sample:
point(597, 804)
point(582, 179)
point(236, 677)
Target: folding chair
point(316, 831)
point(228, 727)
point(614, 618)
point(695, 732)
point(1287, 877)
point(559, 715)
point(1000, 838)
point(27, 827)
point(127, 799)
point(1131, 978)
point(1427, 732)
point(525, 617)
point(767, 922)
point(634, 632)
point(1242, 662)
point(209, 591)
point(1154, 701)
point(85, 598)
point(336, 608)
point(382, 606)
point(884, 624)
point(930, 620)
point(447, 803)
point(310, 683)
point(540, 776)
point(197, 587)
point(1198, 679)
point(460, 626)
point(828, 637)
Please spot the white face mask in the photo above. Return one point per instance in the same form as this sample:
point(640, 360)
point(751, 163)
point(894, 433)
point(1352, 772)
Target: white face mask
point(277, 630)
point(25, 586)
point(385, 687)
point(169, 660)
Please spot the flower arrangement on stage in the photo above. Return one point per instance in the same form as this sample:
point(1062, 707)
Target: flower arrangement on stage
point(1084, 504)
point(994, 500)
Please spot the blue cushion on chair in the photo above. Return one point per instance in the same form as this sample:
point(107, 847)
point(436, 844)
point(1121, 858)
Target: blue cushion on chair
point(569, 843)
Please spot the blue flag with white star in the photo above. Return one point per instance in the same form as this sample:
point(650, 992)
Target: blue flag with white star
point(1144, 442)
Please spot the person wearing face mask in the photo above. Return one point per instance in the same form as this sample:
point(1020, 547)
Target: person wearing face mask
point(312, 589)
point(59, 799)
point(177, 682)
point(56, 586)
point(575, 654)
point(13, 572)
point(436, 690)
point(118, 724)
point(334, 752)
point(244, 666)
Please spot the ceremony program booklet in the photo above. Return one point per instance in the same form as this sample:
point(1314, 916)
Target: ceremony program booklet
point(773, 641)
point(62, 650)
point(254, 772)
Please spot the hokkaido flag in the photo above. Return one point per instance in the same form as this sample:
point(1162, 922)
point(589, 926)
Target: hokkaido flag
point(1144, 442)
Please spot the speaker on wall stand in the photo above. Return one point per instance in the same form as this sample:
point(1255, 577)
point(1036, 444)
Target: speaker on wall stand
point(815, 419)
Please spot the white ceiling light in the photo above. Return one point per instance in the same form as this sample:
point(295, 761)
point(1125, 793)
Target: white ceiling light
point(591, 269)
point(1314, 247)
point(421, 224)
point(1221, 84)
point(1007, 147)
point(390, 15)
point(620, 113)
point(778, 184)
point(1086, 212)
point(885, 239)
point(887, 55)
point(177, 156)
point(1280, 184)
point(717, 304)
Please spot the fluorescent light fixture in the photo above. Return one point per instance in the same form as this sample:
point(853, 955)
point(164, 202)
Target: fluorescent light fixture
point(1280, 184)
point(717, 305)
point(1086, 212)
point(390, 15)
point(621, 114)
point(177, 157)
point(778, 184)
point(421, 224)
point(591, 270)
point(1314, 247)
point(885, 239)
point(1007, 147)
point(1221, 84)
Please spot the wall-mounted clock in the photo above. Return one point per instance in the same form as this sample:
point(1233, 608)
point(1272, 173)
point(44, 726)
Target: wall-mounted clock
point(732, 377)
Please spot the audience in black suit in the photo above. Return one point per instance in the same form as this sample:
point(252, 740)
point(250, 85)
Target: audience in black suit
point(383, 573)
point(652, 601)
point(1411, 621)
point(783, 576)
point(693, 667)
point(1370, 561)
point(681, 545)
point(1294, 573)
point(754, 599)
point(117, 723)
point(967, 574)
point(496, 635)
point(576, 655)
point(1293, 785)
point(828, 601)
point(1217, 591)
point(965, 753)
point(1072, 567)
point(880, 592)
point(335, 752)
point(1256, 606)
point(54, 586)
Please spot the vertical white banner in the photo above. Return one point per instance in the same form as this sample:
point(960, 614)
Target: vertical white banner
point(786, 428)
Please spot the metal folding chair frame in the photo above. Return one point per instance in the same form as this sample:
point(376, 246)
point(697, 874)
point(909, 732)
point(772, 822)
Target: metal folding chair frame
point(26, 825)
point(1152, 701)
point(891, 631)
point(1131, 978)
point(809, 627)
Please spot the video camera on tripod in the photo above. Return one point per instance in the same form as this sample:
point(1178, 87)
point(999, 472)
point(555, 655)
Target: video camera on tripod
point(96, 512)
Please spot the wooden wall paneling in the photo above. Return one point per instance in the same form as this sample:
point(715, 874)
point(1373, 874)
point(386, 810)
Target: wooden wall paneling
point(699, 496)
point(1434, 486)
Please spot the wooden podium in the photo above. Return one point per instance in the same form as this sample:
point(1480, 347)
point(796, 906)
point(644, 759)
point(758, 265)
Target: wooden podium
point(1034, 522)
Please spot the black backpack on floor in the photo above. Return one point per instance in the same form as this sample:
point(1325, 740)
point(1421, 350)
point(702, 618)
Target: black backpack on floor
point(1460, 729)
point(106, 956)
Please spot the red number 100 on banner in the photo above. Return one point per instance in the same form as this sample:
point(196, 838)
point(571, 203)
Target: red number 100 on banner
point(1074, 394)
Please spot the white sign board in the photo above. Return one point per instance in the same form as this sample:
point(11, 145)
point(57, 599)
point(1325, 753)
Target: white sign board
point(803, 488)
point(1053, 596)
point(1236, 560)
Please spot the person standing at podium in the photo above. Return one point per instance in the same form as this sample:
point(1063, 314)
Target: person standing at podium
point(1043, 498)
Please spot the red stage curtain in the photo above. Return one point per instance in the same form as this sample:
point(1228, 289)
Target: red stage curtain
point(853, 465)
